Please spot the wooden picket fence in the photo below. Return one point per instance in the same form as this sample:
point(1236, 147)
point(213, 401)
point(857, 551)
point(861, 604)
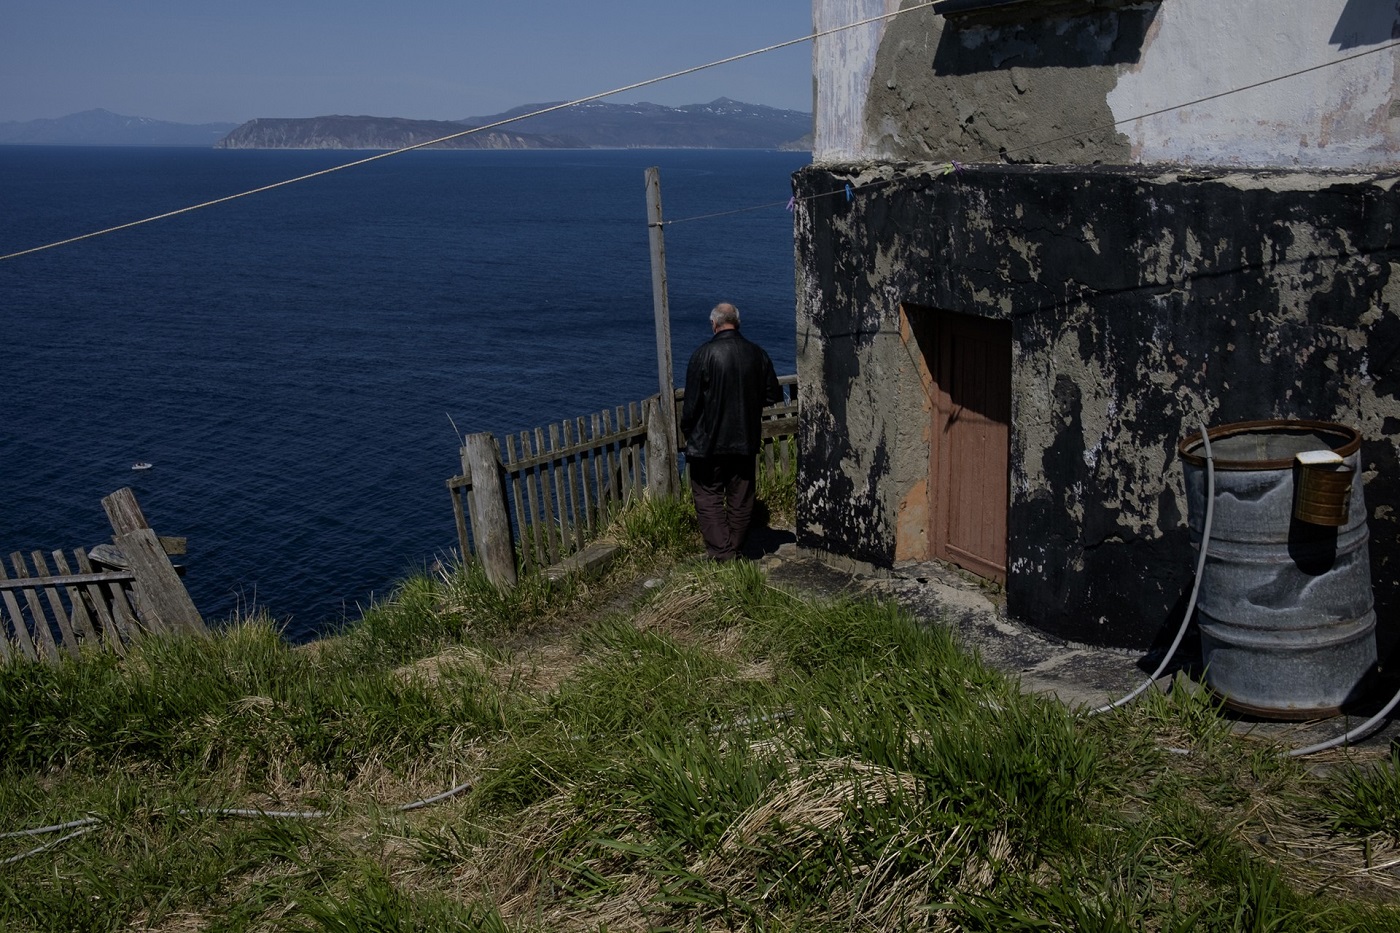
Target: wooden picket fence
point(117, 593)
point(563, 482)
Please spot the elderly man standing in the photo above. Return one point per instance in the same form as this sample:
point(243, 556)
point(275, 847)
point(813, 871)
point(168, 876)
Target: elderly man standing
point(727, 384)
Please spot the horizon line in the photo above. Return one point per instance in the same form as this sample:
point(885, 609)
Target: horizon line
point(132, 116)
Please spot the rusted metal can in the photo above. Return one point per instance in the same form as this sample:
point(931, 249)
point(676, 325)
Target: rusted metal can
point(1322, 484)
point(1288, 627)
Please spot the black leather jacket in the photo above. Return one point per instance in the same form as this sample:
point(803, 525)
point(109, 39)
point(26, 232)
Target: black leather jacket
point(727, 384)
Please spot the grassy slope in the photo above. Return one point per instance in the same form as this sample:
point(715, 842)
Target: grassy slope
point(711, 753)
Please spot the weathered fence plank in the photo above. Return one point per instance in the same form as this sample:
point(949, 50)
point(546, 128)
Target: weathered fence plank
point(60, 616)
point(610, 462)
point(580, 520)
point(545, 510)
point(124, 612)
point(527, 528)
point(624, 455)
point(42, 634)
point(636, 437)
point(619, 461)
point(82, 621)
point(560, 484)
point(660, 461)
point(602, 429)
point(538, 537)
point(516, 501)
point(113, 634)
point(6, 652)
point(630, 473)
point(163, 598)
point(456, 488)
point(599, 458)
point(17, 625)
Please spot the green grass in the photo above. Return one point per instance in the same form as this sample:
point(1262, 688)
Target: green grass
point(777, 488)
point(1366, 801)
point(714, 753)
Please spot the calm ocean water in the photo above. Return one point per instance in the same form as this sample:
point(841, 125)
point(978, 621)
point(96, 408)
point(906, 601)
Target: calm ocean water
point(289, 361)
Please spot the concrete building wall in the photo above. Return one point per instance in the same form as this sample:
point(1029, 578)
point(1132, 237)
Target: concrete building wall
point(924, 87)
point(1234, 261)
point(1343, 116)
point(1141, 302)
point(841, 67)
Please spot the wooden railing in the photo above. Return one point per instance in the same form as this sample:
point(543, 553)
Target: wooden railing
point(562, 481)
point(548, 492)
point(119, 592)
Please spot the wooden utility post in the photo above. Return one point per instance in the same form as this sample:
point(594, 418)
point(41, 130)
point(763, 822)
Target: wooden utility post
point(495, 547)
point(661, 449)
point(665, 481)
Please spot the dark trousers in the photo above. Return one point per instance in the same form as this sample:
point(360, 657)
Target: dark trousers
point(723, 487)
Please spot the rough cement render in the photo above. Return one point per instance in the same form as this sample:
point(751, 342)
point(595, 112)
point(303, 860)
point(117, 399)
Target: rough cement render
point(1341, 116)
point(944, 90)
point(1140, 302)
point(1135, 82)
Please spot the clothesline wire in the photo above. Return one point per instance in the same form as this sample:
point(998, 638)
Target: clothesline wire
point(472, 130)
point(1046, 142)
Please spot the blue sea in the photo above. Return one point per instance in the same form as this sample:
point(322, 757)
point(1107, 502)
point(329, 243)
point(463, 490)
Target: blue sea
point(293, 363)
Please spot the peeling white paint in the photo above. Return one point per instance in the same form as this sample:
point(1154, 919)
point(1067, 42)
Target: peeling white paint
point(1198, 64)
point(841, 68)
point(1335, 117)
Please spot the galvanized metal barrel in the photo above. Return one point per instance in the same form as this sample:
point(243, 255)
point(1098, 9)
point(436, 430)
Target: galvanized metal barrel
point(1288, 629)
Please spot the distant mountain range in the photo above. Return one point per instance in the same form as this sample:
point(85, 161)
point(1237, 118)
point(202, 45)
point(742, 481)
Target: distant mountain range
point(337, 132)
point(720, 124)
point(104, 128)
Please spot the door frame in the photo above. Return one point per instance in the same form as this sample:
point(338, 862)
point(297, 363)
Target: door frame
point(991, 412)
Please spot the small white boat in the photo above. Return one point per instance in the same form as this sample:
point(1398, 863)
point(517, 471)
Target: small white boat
point(141, 465)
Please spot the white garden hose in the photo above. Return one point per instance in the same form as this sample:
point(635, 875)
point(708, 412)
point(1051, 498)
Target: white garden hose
point(1360, 732)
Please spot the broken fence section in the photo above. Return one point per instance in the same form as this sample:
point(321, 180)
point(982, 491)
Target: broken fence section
point(104, 598)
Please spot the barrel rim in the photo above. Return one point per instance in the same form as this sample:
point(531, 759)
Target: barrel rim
point(1186, 448)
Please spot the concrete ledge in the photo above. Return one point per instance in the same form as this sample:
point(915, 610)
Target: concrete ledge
point(589, 562)
point(838, 562)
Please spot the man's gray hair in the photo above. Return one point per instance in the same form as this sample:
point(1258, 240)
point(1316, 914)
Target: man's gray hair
point(724, 313)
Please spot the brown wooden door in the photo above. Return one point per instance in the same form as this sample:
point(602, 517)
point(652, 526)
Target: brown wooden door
point(971, 443)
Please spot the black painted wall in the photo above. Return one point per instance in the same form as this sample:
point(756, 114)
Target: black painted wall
point(1141, 299)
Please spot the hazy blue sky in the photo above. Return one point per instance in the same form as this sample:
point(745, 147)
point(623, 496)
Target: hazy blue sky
point(193, 61)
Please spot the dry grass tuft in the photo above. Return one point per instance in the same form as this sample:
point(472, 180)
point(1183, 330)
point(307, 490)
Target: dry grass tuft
point(685, 611)
point(507, 870)
point(677, 607)
point(814, 812)
point(430, 670)
point(543, 667)
point(1320, 861)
